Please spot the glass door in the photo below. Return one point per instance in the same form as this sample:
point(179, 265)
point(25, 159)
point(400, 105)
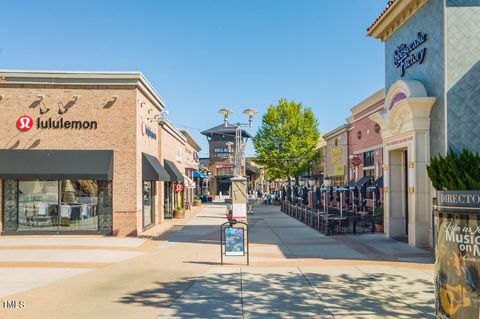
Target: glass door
point(148, 203)
point(168, 205)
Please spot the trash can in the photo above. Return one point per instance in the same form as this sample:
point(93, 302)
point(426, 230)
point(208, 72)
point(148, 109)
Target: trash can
point(457, 254)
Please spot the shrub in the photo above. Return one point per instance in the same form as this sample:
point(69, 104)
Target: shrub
point(378, 215)
point(455, 171)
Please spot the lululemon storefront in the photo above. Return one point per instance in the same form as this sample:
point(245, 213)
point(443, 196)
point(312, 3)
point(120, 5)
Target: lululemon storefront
point(80, 153)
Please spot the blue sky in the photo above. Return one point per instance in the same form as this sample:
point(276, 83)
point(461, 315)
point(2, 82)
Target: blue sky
point(202, 55)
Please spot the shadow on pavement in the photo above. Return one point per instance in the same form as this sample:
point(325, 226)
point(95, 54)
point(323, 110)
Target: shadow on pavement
point(289, 295)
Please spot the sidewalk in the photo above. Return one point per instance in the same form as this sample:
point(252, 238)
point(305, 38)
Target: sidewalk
point(295, 272)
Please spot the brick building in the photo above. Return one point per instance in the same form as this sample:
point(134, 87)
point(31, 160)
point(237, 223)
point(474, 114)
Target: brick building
point(86, 152)
point(365, 146)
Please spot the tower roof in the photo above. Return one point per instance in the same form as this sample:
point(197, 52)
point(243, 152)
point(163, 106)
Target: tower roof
point(224, 130)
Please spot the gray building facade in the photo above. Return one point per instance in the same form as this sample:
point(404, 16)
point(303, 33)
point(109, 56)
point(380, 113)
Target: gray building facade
point(432, 104)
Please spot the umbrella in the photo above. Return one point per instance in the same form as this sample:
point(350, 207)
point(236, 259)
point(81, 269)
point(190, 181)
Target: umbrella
point(330, 194)
point(342, 189)
point(363, 192)
point(355, 196)
point(377, 196)
point(305, 195)
point(318, 197)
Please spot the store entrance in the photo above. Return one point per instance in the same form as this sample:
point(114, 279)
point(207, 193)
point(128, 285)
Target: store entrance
point(168, 203)
point(398, 194)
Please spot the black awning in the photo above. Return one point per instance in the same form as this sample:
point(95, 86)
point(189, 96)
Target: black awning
point(378, 182)
point(152, 170)
point(175, 175)
point(56, 164)
point(364, 180)
point(253, 169)
point(351, 183)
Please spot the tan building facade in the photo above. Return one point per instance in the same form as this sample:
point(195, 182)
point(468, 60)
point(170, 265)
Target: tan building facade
point(84, 152)
point(336, 157)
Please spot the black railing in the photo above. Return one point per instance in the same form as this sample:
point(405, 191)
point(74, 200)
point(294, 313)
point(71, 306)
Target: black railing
point(331, 222)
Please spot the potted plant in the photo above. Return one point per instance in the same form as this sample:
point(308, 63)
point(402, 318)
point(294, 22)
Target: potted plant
point(378, 219)
point(179, 213)
point(197, 201)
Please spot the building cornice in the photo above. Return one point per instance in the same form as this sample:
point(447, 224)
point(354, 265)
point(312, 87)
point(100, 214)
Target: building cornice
point(393, 17)
point(339, 130)
point(83, 78)
point(191, 140)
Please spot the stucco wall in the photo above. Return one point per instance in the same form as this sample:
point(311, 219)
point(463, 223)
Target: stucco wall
point(463, 73)
point(428, 20)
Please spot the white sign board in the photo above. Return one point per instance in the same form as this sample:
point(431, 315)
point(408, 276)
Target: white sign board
point(239, 211)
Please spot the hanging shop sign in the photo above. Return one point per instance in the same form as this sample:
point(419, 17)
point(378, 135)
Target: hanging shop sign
point(406, 55)
point(178, 188)
point(147, 131)
point(356, 161)
point(234, 241)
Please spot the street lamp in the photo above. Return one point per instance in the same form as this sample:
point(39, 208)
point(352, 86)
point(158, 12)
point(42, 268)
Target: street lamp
point(225, 112)
point(239, 146)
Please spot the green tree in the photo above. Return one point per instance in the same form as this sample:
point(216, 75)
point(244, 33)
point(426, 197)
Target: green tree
point(286, 143)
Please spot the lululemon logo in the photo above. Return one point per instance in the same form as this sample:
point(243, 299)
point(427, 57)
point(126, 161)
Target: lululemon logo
point(24, 123)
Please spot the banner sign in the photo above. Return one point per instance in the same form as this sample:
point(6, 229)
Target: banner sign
point(239, 211)
point(457, 265)
point(234, 241)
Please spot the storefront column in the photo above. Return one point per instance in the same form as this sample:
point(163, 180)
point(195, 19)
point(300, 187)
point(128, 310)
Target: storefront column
point(419, 191)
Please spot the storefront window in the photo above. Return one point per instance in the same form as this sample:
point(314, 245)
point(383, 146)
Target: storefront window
point(148, 205)
point(67, 205)
point(368, 158)
point(37, 205)
point(78, 209)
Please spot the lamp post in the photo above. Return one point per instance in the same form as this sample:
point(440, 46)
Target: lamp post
point(239, 183)
point(327, 182)
point(239, 146)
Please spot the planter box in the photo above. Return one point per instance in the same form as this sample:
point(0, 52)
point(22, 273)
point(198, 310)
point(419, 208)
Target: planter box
point(179, 214)
point(457, 247)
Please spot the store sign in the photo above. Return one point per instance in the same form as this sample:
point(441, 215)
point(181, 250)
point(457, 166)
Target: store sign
point(225, 166)
point(406, 55)
point(24, 123)
point(178, 188)
point(147, 131)
point(339, 170)
point(64, 124)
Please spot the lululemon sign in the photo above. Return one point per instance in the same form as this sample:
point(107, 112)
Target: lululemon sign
point(24, 123)
point(178, 188)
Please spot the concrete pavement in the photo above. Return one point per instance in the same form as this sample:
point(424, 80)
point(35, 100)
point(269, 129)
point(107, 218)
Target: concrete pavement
point(295, 272)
